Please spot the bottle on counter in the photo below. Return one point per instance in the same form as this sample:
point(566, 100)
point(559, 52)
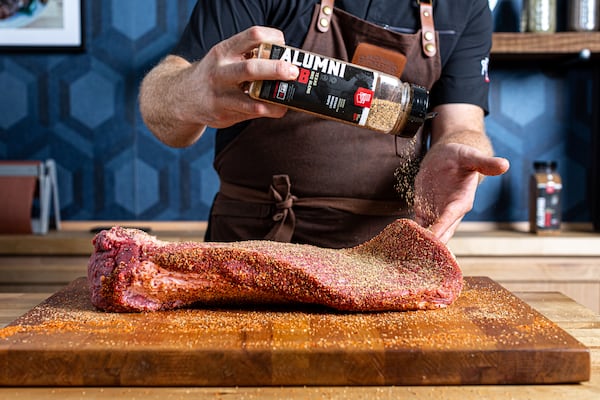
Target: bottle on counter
point(344, 92)
point(583, 15)
point(538, 16)
point(545, 198)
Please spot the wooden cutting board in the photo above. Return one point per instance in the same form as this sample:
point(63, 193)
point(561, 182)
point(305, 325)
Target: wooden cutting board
point(488, 336)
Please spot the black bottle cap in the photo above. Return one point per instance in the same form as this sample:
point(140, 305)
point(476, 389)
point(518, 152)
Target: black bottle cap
point(545, 165)
point(418, 111)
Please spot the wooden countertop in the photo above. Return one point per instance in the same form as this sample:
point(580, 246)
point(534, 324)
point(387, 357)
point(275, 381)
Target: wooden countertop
point(491, 239)
point(579, 321)
point(472, 239)
point(75, 237)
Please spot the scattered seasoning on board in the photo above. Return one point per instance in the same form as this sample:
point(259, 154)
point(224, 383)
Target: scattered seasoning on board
point(496, 314)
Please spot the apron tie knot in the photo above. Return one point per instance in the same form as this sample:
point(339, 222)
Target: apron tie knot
point(280, 192)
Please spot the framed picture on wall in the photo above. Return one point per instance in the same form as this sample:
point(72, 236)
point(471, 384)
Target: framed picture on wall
point(33, 25)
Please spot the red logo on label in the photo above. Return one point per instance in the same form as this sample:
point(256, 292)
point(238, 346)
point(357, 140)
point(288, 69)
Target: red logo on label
point(303, 75)
point(363, 97)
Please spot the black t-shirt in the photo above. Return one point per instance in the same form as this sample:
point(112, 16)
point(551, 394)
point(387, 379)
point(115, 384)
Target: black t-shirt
point(464, 27)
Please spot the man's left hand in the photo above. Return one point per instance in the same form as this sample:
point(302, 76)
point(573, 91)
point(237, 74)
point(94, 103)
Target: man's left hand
point(446, 184)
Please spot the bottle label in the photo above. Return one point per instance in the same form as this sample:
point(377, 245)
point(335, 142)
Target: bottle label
point(548, 215)
point(324, 86)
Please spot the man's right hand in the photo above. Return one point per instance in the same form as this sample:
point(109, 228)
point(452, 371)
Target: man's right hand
point(178, 99)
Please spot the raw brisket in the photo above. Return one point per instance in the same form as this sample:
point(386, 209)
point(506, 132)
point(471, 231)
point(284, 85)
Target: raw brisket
point(403, 268)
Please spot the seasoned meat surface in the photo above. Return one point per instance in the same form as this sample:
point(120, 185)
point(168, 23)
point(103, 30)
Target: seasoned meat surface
point(403, 268)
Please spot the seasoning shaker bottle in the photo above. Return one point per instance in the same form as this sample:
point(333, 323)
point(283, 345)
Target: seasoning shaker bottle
point(345, 92)
point(545, 189)
point(538, 16)
point(583, 15)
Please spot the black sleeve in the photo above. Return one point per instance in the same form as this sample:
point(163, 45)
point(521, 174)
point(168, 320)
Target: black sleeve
point(215, 20)
point(465, 71)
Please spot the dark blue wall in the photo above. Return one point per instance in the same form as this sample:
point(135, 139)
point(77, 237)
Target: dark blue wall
point(538, 113)
point(81, 110)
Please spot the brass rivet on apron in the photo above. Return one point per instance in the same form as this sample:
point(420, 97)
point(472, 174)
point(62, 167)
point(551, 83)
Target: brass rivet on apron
point(426, 13)
point(428, 35)
point(324, 22)
point(430, 48)
point(327, 10)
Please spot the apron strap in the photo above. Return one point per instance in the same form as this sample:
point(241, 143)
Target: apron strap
point(281, 198)
point(325, 13)
point(427, 28)
point(284, 217)
point(428, 37)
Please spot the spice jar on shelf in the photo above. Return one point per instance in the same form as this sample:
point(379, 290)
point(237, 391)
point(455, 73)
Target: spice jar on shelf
point(344, 92)
point(538, 16)
point(545, 189)
point(583, 15)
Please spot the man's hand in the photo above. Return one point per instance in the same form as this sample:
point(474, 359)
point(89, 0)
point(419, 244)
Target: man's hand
point(178, 99)
point(228, 66)
point(446, 183)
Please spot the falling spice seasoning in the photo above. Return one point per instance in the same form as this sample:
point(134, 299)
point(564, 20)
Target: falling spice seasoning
point(344, 92)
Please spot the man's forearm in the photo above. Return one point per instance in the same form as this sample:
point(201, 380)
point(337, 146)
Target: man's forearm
point(164, 103)
point(463, 124)
point(473, 138)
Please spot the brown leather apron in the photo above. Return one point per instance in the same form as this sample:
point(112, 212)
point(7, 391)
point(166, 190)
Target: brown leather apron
point(310, 180)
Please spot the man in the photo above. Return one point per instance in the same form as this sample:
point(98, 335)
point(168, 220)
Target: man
point(290, 176)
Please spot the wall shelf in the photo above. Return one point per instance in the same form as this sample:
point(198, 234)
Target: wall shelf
point(517, 44)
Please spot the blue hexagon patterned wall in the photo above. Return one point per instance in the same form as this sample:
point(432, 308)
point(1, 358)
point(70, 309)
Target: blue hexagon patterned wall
point(81, 110)
point(538, 114)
